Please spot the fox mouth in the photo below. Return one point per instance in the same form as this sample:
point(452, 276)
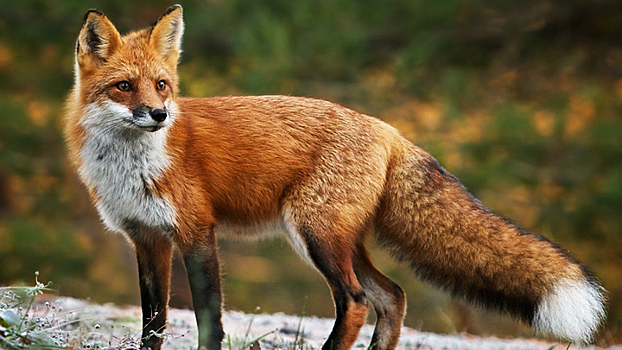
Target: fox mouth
point(136, 124)
point(151, 128)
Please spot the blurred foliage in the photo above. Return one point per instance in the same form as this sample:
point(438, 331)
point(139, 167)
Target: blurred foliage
point(521, 100)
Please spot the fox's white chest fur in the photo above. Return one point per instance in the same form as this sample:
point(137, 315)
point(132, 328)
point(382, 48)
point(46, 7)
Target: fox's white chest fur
point(120, 165)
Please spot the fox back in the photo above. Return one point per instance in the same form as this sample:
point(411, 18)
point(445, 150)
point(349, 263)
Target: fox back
point(170, 171)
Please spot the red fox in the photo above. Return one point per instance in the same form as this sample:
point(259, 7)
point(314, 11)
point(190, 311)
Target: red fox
point(170, 171)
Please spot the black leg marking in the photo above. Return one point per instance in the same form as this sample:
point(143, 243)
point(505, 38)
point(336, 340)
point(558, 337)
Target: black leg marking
point(154, 258)
point(204, 277)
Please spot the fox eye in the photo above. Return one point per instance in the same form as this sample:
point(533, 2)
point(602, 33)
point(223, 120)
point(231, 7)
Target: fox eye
point(161, 85)
point(124, 85)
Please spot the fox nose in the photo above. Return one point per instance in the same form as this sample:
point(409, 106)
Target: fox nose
point(158, 114)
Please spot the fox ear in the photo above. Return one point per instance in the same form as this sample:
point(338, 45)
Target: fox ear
point(166, 34)
point(98, 39)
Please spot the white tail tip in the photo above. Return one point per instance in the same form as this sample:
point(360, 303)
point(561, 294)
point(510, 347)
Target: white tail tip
point(572, 311)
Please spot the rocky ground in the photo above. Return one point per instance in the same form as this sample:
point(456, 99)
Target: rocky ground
point(119, 327)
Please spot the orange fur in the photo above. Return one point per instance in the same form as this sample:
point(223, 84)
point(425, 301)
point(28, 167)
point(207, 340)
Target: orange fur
point(168, 170)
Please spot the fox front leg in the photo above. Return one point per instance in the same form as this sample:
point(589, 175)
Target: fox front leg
point(154, 271)
point(202, 267)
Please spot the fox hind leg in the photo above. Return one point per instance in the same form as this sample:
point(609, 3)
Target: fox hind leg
point(326, 214)
point(334, 261)
point(387, 298)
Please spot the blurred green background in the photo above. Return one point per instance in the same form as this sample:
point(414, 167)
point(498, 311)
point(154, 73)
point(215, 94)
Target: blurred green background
point(522, 100)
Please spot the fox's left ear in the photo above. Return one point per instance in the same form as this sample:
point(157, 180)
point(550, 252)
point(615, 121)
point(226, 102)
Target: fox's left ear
point(166, 34)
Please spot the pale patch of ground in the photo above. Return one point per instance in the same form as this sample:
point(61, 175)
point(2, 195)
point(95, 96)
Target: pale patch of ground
point(275, 331)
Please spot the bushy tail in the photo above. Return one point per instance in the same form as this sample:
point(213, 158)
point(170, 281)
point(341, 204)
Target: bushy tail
point(451, 239)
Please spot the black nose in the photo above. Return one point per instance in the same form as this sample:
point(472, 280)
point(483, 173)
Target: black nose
point(158, 114)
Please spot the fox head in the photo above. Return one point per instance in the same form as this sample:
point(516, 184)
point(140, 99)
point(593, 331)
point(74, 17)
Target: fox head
point(128, 82)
